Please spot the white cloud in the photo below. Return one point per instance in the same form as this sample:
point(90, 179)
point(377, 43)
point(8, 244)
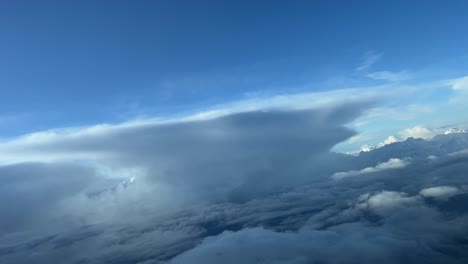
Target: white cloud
point(440, 192)
point(369, 59)
point(387, 141)
point(386, 202)
point(414, 132)
point(460, 84)
point(460, 87)
point(390, 140)
point(389, 76)
point(454, 130)
point(418, 132)
point(367, 148)
point(390, 164)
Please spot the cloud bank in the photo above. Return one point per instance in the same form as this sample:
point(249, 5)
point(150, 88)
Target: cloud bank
point(256, 186)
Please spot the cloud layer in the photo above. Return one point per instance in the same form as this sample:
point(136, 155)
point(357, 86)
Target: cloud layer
point(249, 187)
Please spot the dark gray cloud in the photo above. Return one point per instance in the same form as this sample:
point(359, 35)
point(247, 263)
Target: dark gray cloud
point(30, 191)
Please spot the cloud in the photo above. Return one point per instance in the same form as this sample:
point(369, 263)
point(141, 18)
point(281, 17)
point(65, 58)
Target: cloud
point(387, 141)
point(365, 219)
point(237, 185)
point(388, 165)
point(460, 89)
point(418, 132)
point(406, 234)
point(363, 224)
point(237, 157)
point(31, 147)
point(389, 76)
point(454, 130)
point(30, 192)
point(390, 140)
point(440, 192)
point(460, 84)
point(369, 59)
point(386, 202)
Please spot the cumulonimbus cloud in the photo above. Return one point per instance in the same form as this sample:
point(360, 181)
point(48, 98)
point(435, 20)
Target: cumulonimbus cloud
point(241, 187)
point(233, 157)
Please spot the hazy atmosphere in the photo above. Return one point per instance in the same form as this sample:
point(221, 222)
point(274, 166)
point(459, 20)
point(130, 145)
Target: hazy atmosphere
point(138, 132)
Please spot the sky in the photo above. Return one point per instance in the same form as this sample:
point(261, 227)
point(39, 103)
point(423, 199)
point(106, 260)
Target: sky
point(69, 64)
point(180, 132)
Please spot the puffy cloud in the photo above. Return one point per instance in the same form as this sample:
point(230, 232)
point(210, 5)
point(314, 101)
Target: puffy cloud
point(367, 148)
point(387, 201)
point(390, 140)
point(418, 132)
point(440, 192)
point(388, 165)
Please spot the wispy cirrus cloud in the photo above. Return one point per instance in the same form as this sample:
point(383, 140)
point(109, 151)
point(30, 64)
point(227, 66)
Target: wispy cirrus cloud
point(369, 59)
point(389, 76)
point(460, 84)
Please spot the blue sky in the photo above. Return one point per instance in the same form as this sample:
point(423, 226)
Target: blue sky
point(81, 63)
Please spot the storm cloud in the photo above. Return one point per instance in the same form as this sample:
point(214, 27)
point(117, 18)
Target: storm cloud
point(248, 187)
